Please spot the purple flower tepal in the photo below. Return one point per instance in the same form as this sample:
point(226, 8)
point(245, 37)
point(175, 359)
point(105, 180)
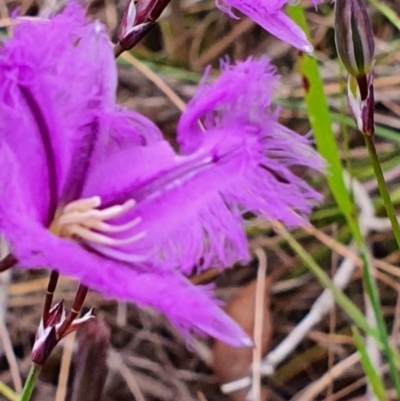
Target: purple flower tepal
point(94, 191)
point(269, 15)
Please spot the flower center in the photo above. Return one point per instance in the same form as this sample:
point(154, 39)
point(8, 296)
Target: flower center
point(82, 219)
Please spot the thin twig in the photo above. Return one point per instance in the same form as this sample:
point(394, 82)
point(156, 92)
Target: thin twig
point(12, 360)
point(118, 364)
point(315, 388)
point(255, 391)
point(153, 77)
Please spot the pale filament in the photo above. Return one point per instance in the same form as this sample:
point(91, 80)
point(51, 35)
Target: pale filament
point(79, 218)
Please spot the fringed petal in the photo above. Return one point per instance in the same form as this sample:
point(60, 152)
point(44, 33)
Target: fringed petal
point(238, 160)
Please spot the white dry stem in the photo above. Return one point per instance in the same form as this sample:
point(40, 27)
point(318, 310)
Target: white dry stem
point(236, 385)
point(153, 77)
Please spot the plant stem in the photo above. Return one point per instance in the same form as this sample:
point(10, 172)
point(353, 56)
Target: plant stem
point(30, 382)
point(370, 283)
point(373, 294)
point(374, 378)
point(383, 187)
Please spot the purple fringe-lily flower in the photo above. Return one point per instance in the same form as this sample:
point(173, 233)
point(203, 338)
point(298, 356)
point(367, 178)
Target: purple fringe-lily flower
point(94, 191)
point(269, 15)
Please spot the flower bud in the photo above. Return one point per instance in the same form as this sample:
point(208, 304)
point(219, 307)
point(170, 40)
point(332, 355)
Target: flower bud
point(354, 36)
point(139, 18)
point(48, 334)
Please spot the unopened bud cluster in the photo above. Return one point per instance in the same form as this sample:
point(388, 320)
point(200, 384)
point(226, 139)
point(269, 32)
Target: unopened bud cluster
point(49, 334)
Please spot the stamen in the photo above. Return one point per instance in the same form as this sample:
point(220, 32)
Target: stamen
point(108, 228)
point(85, 233)
point(75, 212)
point(79, 219)
point(83, 205)
point(119, 255)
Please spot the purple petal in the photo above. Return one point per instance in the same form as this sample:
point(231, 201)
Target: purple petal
point(269, 15)
point(58, 84)
point(191, 206)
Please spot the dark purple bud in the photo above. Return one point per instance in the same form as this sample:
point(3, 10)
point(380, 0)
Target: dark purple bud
point(139, 18)
point(44, 345)
point(354, 36)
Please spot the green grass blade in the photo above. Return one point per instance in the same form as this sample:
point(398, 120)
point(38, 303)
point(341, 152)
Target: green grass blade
point(374, 379)
point(321, 124)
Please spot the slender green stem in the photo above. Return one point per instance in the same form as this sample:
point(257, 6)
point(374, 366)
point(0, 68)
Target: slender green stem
point(371, 285)
point(369, 140)
point(373, 376)
point(30, 382)
point(373, 294)
point(9, 393)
